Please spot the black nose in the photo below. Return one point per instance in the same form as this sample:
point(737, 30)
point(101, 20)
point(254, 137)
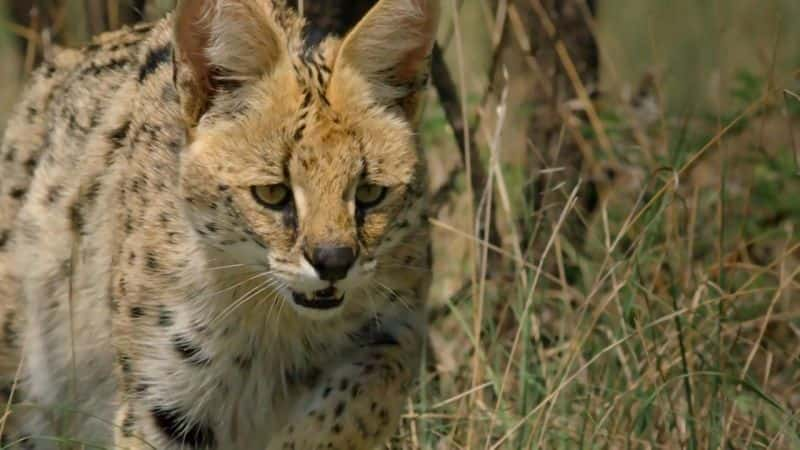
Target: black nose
point(332, 263)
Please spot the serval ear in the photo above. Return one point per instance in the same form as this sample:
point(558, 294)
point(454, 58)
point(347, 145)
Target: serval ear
point(220, 43)
point(391, 48)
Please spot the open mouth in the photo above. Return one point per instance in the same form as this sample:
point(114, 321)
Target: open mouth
point(324, 299)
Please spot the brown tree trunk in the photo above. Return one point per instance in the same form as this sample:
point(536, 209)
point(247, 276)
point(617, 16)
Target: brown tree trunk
point(96, 16)
point(551, 46)
point(331, 16)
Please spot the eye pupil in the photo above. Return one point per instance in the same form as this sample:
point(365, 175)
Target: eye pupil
point(273, 196)
point(369, 195)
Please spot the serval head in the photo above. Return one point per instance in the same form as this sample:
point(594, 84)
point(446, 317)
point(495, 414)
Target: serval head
point(303, 162)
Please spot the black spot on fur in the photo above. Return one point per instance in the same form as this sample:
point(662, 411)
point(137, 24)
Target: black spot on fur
point(155, 58)
point(187, 435)
point(128, 223)
point(5, 235)
point(165, 317)
point(339, 410)
point(30, 165)
point(188, 351)
point(320, 76)
point(75, 126)
point(92, 191)
point(48, 70)
point(17, 193)
point(137, 312)
point(306, 101)
point(298, 133)
point(152, 261)
point(175, 146)
point(324, 99)
point(109, 66)
point(119, 135)
point(76, 219)
point(124, 363)
point(9, 332)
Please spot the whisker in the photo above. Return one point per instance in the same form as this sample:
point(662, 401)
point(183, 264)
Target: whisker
point(231, 266)
point(402, 266)
point(274, 299)
point(206, 296)
point(395, 294)
point(244, 299)
point(278, 298)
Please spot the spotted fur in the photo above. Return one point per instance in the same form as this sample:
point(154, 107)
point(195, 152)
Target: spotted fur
point(149, 299)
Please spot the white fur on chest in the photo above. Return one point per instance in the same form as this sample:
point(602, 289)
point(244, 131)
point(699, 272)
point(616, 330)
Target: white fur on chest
point(243, 379)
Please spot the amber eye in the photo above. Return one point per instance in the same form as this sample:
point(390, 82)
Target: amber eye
point(274, 196)
point(369, 195)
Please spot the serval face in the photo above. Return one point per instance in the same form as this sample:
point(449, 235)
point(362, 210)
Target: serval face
point(303, 163)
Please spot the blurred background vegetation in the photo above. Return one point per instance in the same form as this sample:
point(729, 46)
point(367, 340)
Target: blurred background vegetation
point(616, 210)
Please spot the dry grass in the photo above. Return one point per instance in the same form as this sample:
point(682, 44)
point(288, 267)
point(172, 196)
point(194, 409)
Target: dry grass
point(672, 320)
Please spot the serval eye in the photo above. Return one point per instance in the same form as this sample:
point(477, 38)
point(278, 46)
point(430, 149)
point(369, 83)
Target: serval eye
point(274, 196)
point(369, 195)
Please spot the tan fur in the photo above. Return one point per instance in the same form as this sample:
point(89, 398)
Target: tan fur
point(150, 299)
